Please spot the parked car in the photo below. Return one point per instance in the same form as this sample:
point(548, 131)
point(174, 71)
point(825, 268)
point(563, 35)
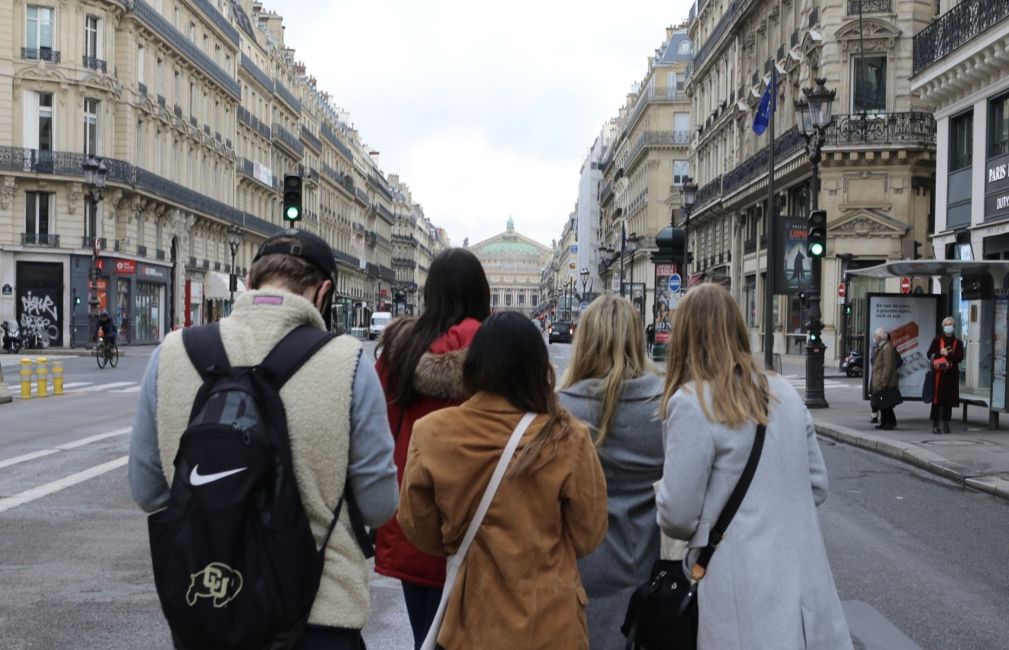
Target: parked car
point(561, 332)
point(378, 322)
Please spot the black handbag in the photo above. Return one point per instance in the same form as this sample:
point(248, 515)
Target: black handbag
point(928, 387)
point(662, 613)
point(887, 398)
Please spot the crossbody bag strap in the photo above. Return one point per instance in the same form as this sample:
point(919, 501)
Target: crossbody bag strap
point(455, 561)
point(735, 499)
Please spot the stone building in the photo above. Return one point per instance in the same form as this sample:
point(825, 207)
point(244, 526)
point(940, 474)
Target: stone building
point(877, 175)
point(197, 109)
point(513, 264)
point(643, 166)
point(415, 242)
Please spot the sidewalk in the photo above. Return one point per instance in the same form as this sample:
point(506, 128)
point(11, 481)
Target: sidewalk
point(972, 455)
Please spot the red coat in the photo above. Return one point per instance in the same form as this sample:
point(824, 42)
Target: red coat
point(438, 378)
point(946, 384)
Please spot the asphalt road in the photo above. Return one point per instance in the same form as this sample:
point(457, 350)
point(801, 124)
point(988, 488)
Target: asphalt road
point(915, 557)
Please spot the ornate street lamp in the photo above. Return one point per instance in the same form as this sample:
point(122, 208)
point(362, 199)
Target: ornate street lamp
point(813, 117)
point(234, 241)
point(688, 194)
point(95, 175)
point(584, 274)
point(633, 243)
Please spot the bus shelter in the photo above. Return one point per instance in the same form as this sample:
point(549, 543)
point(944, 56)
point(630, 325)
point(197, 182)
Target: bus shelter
point(976, 295)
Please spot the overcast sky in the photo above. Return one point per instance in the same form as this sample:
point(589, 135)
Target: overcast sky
point(484, 110)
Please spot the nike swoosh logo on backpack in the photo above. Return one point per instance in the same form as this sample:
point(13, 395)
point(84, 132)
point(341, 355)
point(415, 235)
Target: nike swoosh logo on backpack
point(197, 479)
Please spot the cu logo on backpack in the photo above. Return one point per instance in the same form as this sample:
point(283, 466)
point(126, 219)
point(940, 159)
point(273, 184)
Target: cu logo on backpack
point(217, 581)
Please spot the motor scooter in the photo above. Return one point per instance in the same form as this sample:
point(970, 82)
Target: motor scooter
point(11, 336)
point(854, 364)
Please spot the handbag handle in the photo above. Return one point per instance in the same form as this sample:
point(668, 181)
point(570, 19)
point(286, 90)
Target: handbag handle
point(455, 561)
point(731, 506)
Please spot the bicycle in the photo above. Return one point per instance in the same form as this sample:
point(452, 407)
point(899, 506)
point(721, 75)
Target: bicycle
point(106, 353)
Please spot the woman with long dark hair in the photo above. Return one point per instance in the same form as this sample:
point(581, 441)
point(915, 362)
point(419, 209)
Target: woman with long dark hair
point(420, 365)
point(519, 585)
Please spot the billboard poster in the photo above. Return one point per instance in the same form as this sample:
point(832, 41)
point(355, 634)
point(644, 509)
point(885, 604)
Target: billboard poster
point(912, 321)
point(795, 268)
point(663, 302)
point(999, 336)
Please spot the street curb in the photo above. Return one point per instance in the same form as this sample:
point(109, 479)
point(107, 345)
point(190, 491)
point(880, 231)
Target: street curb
point(916, 456)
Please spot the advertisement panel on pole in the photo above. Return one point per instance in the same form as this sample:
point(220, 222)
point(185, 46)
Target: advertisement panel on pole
point(912, 321)
point(795, 267)
point(664, 302)
point(1000, 339)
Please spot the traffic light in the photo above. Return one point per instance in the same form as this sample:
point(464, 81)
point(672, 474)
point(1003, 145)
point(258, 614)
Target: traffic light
point(816, 233)
point(292, 197)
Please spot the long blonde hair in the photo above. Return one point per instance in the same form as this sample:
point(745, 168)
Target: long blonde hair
point(709, 343)
point(609, 345)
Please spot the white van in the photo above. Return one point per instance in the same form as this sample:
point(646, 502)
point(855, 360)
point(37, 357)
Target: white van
point(378, 322)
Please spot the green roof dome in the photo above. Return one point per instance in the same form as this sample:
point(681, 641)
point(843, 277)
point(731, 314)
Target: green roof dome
point(509, 246)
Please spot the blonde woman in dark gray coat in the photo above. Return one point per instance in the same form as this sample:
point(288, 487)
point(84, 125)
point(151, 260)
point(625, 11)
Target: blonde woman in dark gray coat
point(768, 584)
point(612, 386)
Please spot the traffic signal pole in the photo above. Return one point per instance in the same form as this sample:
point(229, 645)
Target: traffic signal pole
point(815, 349)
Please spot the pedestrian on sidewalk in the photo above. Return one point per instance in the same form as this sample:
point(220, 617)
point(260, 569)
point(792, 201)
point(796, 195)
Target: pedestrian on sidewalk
point(873, 348)
point(518, 586)
point(768, 583)
point(340, 448)
point(650, 336)
point(613, 387)
point(946, 353)
point(420, 365)
point(884, 378)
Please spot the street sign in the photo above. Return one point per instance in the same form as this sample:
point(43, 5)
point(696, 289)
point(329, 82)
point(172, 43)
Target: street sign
point(583, 306)
point(674, 282)
point(905, 285)
point(842, 290)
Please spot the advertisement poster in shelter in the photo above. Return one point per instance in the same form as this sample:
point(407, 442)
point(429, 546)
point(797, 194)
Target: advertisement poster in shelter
point(795, 268)
point(663, 302)
point(911, 321)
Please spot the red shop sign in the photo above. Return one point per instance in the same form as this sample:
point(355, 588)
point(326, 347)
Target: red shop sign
point(126, 267)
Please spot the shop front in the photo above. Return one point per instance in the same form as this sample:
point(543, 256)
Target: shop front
point(151, 300)
point(39, 304)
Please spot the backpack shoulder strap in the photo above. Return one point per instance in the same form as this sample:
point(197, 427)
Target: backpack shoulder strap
point(296, 348)
point(206, 349)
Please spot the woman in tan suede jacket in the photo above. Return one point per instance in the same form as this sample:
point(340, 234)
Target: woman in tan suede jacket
point(519, 586)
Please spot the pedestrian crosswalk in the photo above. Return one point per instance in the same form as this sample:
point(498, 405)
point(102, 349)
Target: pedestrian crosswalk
point(799, 383)
point(122, 387)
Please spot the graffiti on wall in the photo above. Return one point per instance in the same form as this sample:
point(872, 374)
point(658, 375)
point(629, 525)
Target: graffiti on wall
point(39, 316)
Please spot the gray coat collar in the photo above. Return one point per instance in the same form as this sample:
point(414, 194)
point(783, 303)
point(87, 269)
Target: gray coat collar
point(643, 388)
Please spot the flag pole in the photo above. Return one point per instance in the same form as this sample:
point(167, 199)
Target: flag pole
point(769, 232)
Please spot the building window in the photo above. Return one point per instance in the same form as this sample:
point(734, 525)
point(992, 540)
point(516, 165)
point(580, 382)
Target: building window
point(37, 216)
point(508, 299)
point(961, 141)
point(535, 299)
point(91, 49)
point(522, 300)
point(39, 30)
point(91, 126)
point(869, 92)
point(751, 301)
point(45, 121)
point(495, 300)
point(140, 63)
point(90, 220)
point(998, 126)
point(681, 171)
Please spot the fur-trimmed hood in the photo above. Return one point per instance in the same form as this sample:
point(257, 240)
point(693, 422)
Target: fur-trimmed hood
point(439, 370)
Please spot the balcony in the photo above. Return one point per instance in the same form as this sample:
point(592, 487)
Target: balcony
point(381, 185)
point(47, 54)
point(755, 166)
point(889, 129)
point(88, 242)
point(251, 121)
point(280, 90)
point(256, 73)
point(309, 138)
point(159, 254)
point(868, 7)
point(219, 20)
point(656, 139)
point(249, 169)
point(954, 29)
point(334, 140)
point(729, 17)
point(41, 239)
point(652, 95)
point(287, 139)
point(94, 63)
point(141, 251)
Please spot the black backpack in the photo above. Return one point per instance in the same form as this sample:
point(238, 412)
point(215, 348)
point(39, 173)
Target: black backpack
point(235, 562)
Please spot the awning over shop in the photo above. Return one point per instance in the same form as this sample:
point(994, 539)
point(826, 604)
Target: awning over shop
point(218, 286)
point(695, 278)
point(933, 268)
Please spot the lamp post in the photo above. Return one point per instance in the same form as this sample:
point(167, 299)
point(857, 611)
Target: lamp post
point(812, 114)
point(688, 194)
point(234, 241)
point(631, 244)
point(95, 173)
point(584, 274)
point(623, 249)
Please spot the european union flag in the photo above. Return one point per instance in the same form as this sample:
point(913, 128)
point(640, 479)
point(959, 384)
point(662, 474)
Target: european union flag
point(765, 109)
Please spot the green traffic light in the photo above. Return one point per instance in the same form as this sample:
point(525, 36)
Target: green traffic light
point(816, 249)
point(292, 213)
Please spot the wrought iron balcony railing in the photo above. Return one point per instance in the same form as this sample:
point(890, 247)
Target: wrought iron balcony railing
point(334, 140)
point(868, 7)
point(381, 185)
point(219, 20)
point(40, 54)
point(250, 120)
point(884, 129)
point(281, 91)
point(954, 29)
point(310, 139)
point(655, 139)
point(94, 63)
point(265, 80)
point(45, 240)
point(285, 137)
point(756, 165)
point(362, 196)
point(141, 251)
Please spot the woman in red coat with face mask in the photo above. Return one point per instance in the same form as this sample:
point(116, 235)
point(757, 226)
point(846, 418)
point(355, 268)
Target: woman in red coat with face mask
point(946, 353)
point(420, 365)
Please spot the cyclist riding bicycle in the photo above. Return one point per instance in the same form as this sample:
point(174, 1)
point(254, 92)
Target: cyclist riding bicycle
point(106, 328)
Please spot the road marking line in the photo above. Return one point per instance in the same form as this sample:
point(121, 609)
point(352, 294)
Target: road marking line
point(116, 384)
point(50, 488)
point(65, 447)
point(131, 389)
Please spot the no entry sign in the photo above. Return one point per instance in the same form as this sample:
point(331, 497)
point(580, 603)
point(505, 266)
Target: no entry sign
point(842, 290)
point(905, 285)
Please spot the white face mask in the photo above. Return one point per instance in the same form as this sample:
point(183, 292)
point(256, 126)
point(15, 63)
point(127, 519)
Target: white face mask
point(948, 329)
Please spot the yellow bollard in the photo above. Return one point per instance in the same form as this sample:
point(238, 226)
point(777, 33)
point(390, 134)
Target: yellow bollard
point(57, 377)
point(26, 378)
point(42, 374)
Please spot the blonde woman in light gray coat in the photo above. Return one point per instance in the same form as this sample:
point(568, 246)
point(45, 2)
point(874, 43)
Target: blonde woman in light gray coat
point(769, 583)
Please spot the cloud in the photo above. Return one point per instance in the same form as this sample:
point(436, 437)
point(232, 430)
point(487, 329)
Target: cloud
point(485, 110)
